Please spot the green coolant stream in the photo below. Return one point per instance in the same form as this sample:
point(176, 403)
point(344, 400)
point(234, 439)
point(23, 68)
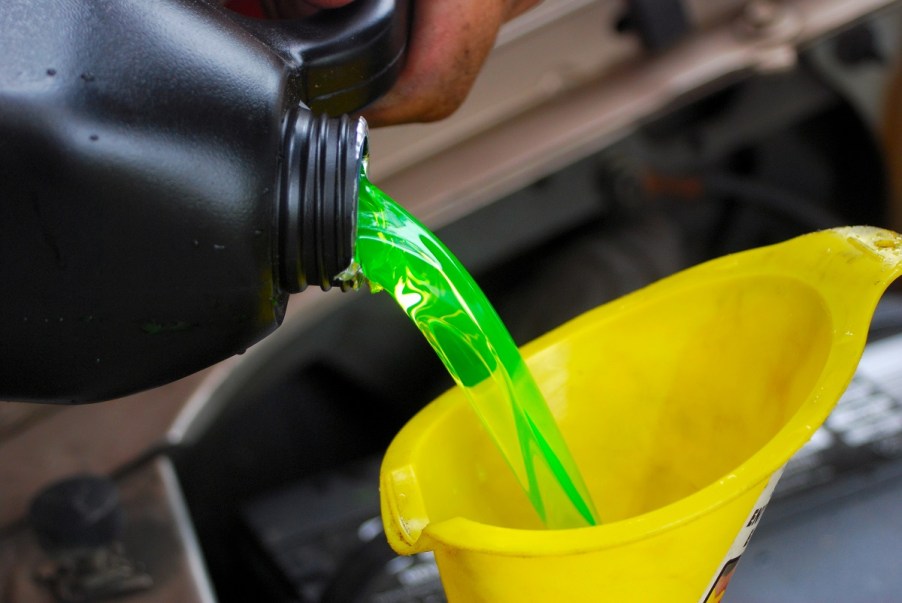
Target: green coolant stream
point(399, 255)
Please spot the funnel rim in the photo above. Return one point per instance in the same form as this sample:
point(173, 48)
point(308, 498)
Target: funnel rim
point(752, 474)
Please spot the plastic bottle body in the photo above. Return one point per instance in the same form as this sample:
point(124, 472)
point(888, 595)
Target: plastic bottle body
point(141, 193)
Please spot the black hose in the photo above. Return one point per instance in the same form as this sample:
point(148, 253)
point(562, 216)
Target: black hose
point(754, 193)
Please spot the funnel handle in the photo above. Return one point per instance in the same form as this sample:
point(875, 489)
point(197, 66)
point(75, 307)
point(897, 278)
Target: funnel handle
point(832, 260)
point(885, 245)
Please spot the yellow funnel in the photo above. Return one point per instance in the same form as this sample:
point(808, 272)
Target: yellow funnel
point(681, 403)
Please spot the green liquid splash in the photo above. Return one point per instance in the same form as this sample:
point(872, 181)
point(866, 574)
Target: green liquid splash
point(398, 254)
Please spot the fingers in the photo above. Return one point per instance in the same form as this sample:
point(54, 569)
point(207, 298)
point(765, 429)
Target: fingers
point(450, 41)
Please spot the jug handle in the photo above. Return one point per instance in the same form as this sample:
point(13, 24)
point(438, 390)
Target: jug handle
point(341, 59)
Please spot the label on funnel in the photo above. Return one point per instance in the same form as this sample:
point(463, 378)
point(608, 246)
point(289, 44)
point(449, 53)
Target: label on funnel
point(718, 586)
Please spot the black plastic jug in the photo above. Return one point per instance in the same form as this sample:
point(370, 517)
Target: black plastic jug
point(164, 183)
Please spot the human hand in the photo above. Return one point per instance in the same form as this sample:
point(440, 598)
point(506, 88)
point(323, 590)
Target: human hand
point(449, 43)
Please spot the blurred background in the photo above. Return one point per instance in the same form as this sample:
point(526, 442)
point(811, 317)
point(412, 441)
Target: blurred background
point(607, 144)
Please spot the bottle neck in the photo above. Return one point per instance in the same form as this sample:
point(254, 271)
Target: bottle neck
point(322, 158)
